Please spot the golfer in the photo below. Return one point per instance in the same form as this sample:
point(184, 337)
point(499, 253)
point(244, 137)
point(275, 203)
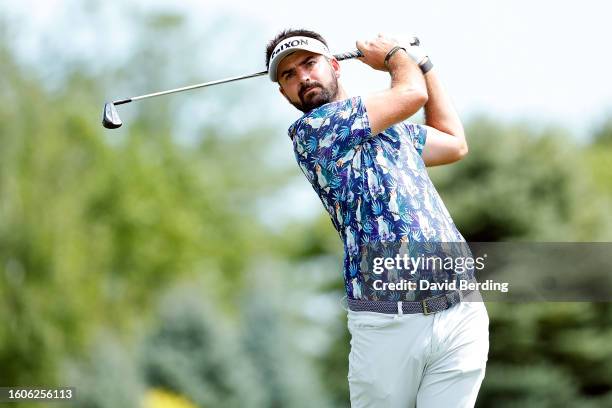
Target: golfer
point(367, 164)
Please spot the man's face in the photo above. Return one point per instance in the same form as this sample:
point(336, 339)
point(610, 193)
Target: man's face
point(308, 80)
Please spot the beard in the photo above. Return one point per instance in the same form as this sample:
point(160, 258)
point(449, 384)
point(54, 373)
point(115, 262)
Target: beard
point(320, 96)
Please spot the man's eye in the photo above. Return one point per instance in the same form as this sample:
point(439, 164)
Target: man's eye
point(288, 75)
point(311, 62)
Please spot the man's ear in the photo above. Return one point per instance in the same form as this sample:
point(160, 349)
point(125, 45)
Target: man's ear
point(335, 66)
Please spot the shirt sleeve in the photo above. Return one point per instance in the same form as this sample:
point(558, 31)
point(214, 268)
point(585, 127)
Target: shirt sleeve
point(332, 129)
point(417, 135)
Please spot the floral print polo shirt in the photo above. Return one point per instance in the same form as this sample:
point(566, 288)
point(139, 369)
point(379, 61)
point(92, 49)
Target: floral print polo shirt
point(374, 187)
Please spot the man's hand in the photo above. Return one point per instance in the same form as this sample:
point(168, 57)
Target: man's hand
point(375, 51)
point(417, 54)
point(408, 92)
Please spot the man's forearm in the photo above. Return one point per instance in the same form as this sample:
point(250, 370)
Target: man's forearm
point(407, 94)
point(439, 111)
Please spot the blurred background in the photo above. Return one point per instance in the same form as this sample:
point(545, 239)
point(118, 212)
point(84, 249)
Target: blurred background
point(184, 261)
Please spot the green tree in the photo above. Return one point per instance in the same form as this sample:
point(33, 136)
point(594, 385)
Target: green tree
point(521, 184)
point(93, 225)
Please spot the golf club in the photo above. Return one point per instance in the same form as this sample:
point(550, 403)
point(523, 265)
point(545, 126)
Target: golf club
point(111, 119)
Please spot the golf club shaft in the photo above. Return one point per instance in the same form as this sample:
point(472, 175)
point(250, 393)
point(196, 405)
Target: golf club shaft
point(339, 57)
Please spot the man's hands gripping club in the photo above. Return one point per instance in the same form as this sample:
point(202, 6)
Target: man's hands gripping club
point(413, 85)
point(408, 91)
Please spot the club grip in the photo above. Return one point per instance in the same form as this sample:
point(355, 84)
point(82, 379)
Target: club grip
point(348, 55)
point(356, 53)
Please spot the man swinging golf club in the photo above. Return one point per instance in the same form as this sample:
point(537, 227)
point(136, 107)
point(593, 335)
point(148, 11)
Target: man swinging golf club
point(368, 166)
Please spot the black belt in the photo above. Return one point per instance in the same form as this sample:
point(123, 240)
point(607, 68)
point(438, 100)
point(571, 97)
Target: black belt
point(426, 306)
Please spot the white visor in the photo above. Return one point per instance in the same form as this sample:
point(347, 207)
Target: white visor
point(291, 45)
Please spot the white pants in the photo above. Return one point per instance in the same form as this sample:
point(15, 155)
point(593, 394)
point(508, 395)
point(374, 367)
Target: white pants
point(432, 361)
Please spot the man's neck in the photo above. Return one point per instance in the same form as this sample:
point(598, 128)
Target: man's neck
point(341, 95)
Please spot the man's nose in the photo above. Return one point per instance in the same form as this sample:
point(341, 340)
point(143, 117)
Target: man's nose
point(304, 75)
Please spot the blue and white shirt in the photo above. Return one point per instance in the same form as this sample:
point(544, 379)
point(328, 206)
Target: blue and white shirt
point(374, 187)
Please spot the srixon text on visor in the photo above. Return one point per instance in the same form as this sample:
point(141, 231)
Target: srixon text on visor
point(293, 43)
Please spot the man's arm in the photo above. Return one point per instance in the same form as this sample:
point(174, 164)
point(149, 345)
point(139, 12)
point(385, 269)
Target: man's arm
point(407, 93)
point(445, 136)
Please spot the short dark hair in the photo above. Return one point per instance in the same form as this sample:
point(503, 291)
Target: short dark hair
point(290, 33)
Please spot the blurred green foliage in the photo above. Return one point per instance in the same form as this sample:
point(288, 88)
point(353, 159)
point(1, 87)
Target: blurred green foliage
point(134, 262)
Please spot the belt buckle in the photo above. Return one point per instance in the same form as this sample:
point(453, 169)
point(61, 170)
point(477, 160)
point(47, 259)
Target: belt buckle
point(426, 310)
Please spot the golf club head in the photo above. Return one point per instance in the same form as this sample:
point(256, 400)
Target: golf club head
point(110, 116)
